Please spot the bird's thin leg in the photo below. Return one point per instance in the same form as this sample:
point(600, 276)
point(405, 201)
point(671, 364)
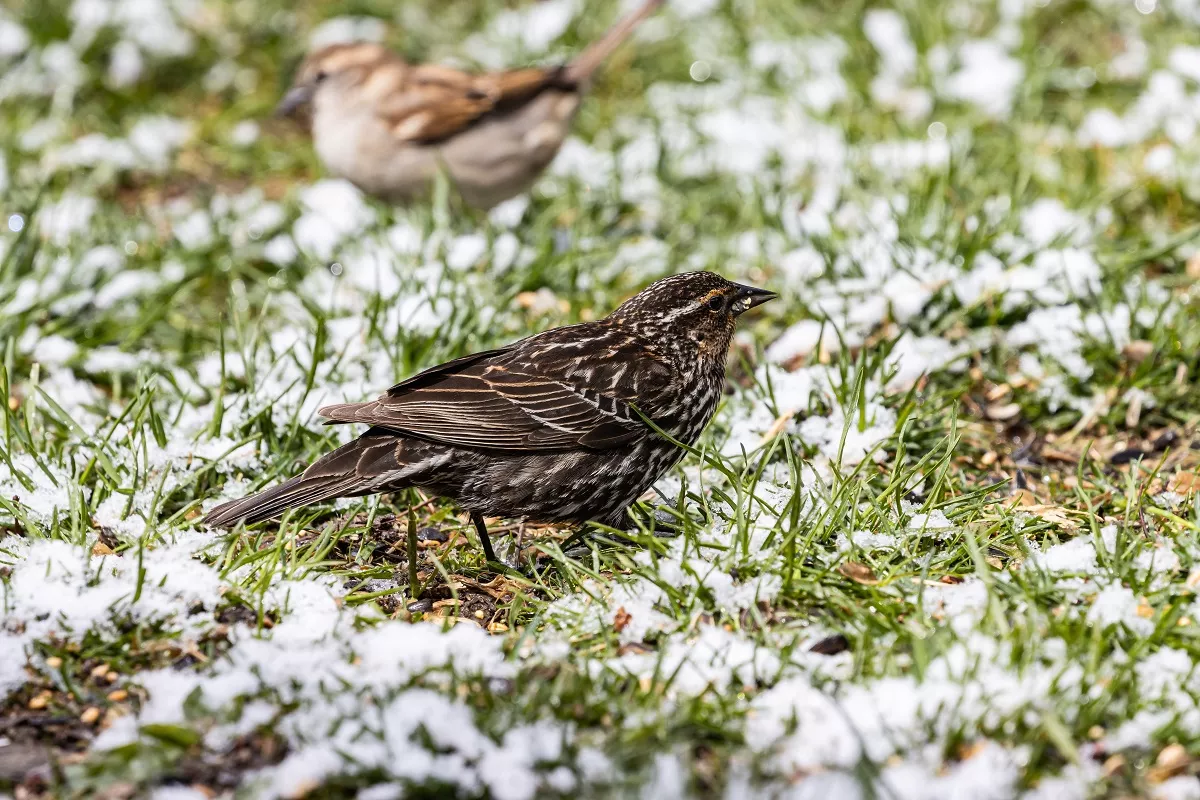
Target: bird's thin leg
point(481, 529)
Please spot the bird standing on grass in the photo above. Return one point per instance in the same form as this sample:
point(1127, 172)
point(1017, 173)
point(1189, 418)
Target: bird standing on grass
point(388, 127)
point(545, 428)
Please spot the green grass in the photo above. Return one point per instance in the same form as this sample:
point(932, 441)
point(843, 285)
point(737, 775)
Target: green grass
point(1035, 632)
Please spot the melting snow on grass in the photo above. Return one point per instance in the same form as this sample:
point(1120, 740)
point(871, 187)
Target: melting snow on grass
point(876, 581)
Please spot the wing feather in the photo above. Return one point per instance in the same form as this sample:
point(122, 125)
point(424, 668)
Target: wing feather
point(499, 410)
point(438, 102)
point(564, 389)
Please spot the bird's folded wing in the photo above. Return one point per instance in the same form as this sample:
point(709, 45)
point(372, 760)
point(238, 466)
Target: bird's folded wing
point(436, 102)
point(497, 409)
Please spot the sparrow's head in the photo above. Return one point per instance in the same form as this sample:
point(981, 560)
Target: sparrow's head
point(692, 310)
point(337, 66)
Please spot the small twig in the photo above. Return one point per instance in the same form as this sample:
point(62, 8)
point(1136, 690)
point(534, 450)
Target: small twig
point(413, 581)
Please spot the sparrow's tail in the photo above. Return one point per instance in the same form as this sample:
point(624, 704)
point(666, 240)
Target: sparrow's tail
point(580, 70)
point(352, 470)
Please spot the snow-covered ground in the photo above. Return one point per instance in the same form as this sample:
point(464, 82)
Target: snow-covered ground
point(941, 540)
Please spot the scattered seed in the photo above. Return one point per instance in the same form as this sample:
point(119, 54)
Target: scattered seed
point(1127, 455)
point(1113, 765)
point(1165, 440)
point(38, 702)
point(831, 645)
point(998, 391)
point(89, 715)
point(1173, 757)
point(1003, 412)
point(432, 533)
point(1137, 351)
point(118, 696)
point(53, 662)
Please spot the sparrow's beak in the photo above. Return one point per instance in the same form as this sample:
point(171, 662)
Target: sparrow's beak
point(296, 97)
point(748, 297)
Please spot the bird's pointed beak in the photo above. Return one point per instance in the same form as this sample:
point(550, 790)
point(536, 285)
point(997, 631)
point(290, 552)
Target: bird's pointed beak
point(297, 97)
point(750, 296)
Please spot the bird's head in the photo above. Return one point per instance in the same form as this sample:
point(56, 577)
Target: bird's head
point(694, 312)
point(335, 67)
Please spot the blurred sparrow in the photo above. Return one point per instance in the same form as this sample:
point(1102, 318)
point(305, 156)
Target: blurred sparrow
point(388, 127)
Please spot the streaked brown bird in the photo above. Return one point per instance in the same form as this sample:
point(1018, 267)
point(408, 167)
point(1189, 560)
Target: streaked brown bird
point(388, 126)
point(545, 428)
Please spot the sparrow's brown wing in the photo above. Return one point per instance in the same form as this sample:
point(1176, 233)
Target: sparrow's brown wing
point(437, 102)
point(502, 400)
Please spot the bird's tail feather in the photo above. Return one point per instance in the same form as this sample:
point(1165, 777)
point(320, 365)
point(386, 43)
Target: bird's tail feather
point(348, 471)
point(580, 70)
point(299, 491)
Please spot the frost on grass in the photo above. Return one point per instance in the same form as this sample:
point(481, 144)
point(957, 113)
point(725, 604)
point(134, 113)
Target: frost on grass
point(955, 207)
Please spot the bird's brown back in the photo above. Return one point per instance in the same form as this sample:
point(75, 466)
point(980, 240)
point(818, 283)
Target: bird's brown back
point(567, 388)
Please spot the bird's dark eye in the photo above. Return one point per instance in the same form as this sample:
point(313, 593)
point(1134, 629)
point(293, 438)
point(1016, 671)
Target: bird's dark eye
point(320, 76)
point(716, 304)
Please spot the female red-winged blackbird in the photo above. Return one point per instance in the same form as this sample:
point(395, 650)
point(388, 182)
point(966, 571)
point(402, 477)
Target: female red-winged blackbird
point(544, 428)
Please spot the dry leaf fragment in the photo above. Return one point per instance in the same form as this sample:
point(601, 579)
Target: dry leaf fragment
point(1023, 500)
point(859, 573)
point(101, 549)
point(1185, 483)
point(1023, 497)
point(777, 427)
point(621, 619)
